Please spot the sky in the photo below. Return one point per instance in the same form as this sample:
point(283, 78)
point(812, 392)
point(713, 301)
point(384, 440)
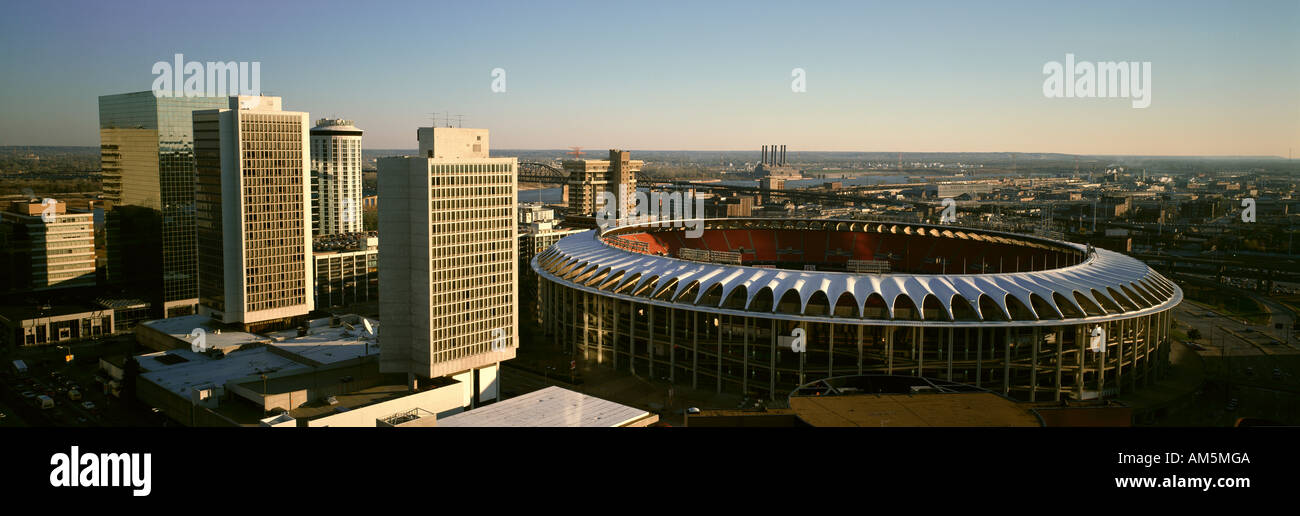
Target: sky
point(878, 76)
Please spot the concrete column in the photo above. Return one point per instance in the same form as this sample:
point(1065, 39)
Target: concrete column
point(1060, 347)
point(615, 336)
point(830, 364)
point(950, 332)
point(695, 349)
point(720, 355)
point(859, 349)
point(1146, 359)
point(744, 368)
point(1033, 366)
point(979, 356)
point(631, 337)
point(1119, 352)
point(771, 370)
point(1080, 334)
point(889, 351)
point(1101, 369)
point(1006, 362)
point(650, 341)
point(600, 329)
point(672, 345)
point(918, 349)
point(586, 330)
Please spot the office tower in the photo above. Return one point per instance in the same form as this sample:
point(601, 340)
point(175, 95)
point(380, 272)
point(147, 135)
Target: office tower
point(448, 260)
point(147, 150)
point(59, 248)
point(252, 212)
point(335, 177)
point(589, 177)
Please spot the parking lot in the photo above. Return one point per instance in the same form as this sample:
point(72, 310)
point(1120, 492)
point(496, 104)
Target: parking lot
point(49, 374)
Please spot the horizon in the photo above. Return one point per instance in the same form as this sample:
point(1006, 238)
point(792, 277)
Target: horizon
point(792, 152)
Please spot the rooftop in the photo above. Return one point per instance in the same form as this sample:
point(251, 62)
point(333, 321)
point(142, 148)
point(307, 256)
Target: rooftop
point(549, 407)
point(214, 335)
point(180, 370)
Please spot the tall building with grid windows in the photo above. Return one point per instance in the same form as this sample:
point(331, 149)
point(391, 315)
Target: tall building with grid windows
point(252, 210)
point(59, 247)
point(448, 261)
point(147, 149)
point(335, 177)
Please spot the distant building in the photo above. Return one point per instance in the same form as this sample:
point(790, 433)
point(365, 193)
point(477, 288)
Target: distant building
point(449, 260)
point(733, 206)
point(589, 177)
point(769, 185)
point(35, 323)
point(953, 190)
point(346, 269)
point(43, 255)
point(335, 177)
point(253, 213)
point(774, 164)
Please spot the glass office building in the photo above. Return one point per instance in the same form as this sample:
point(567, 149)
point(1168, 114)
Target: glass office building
point(147, 151)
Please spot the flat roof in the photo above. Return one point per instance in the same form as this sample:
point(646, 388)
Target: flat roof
point(180, 370)
point(944, 409)
point(180, 328)
point(549, 407)
point(328, 345)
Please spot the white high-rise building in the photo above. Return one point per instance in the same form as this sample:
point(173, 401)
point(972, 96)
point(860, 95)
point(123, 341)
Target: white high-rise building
point(252, 212)
point(336, 177)
point(448, 261)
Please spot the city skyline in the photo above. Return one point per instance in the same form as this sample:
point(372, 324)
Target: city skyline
point(878, 77)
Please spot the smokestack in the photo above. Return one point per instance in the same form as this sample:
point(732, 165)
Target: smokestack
point(764, 154)
point(783, 155)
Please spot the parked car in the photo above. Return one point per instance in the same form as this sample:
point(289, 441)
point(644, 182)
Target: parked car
point(88, 405)
point(29, 395)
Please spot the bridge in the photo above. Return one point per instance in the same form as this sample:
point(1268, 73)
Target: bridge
point(533, 172)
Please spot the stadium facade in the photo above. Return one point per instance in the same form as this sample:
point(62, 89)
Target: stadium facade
point(1021, 315)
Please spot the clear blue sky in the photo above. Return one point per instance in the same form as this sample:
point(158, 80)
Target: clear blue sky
point(881, 76)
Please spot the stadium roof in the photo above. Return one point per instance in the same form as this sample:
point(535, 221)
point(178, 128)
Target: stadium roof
point(1103, 286)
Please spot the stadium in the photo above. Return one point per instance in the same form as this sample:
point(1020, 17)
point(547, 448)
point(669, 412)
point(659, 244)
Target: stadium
point(1020, 315)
